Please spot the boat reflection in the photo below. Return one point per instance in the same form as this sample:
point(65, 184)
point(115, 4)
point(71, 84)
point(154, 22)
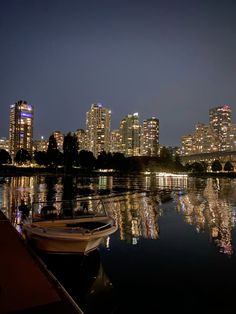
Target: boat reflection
point(84, 279)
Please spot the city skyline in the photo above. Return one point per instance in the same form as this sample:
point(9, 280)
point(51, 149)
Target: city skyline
point(170, 60)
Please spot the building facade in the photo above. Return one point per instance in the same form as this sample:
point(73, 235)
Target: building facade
point(98, 124)
point(130, 135)
point(218, 136)
point(59, 137)
point(115, 142)
point(150, 137)
point(81, 139)
point(4, 143)
point(21, 127)
point(40, 145)
point(220, 122)
point(232, 137)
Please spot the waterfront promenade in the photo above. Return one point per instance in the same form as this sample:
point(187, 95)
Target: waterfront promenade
point(25, 284)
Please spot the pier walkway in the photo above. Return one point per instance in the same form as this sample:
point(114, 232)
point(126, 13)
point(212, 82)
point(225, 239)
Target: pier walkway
point(25, 285)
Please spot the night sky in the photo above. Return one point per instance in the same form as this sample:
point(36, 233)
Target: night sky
point(170, 59)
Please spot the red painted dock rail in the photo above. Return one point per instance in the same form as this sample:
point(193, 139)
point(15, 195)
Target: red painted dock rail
point(25, 285)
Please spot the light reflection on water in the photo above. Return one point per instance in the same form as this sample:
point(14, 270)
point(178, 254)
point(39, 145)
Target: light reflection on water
point(175, 225)
point(210, 210)
point(206, 204)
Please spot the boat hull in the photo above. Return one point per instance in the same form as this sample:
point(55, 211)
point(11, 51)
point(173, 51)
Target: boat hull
point(45, 236)
point(64, 246)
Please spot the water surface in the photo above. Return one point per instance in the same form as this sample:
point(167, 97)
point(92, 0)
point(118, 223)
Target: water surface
point(174, 250)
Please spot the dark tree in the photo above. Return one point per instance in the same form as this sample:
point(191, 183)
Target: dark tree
point(54, 156)
point(134, 163)
point(52, 143)
point(216, 166)
point(188, 167)
point(70, 147)
point(5, 157)
point(22, 156)
point(41, 158)
point(165, 154)
point(118, 161)
point(228, 166)
point(177, 163)
point(104, 161)
point(204, 164)
point(52, 152)
point(86, 159)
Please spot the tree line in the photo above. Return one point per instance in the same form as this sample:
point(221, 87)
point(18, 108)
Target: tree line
point(71, 158)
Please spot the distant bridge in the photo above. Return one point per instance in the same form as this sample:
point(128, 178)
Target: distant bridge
point(208, 158)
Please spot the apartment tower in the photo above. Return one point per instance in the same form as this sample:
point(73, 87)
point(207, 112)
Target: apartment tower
point(98, 123)
point(150, 137)
point(220, 122)
point(130, 135)
point(21, 127)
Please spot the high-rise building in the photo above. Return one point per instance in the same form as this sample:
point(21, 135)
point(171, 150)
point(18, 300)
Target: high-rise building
point(21, 127)
point(220, 122)
point(115, 142)
point(232, 137)
point(4, 143)
point(219, 135)
point(40, 145)
point(205, 140)
point(59, 137)
point(130, 135)
point(187, 144)
point(150, 137)
point(98, 123)
point(81, 139)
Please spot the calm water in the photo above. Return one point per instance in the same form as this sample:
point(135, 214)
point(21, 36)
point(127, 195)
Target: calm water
point(174, 250)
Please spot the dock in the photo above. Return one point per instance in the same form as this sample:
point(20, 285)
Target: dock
point(26, 286)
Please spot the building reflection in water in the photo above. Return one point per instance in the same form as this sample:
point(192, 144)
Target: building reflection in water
point(15, 190)
point(105, 182)
point(29, 189)
point(137, 216)
point(206, 208)
point(205, 203)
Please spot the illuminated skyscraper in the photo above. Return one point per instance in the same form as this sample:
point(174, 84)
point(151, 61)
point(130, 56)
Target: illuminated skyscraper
point(219, 135)
point(81, 139)
point(98, 123)
point(4, 143)
point(187, 144)
point(150, 137)
point(115, 142)
point(40, 145)
point(21, 127)
point(220, 122)
point(130, 135)
point(205, 140)
point(233, 137)
point(59, 137)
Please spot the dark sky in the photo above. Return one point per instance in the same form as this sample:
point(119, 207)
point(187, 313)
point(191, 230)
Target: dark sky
point(169, 59)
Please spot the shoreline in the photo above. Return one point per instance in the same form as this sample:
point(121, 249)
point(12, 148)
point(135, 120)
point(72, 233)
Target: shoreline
point(8, 171)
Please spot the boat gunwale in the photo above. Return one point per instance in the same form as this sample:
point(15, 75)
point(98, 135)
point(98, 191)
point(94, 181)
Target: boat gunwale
point(71, 236)
point(60, 230)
